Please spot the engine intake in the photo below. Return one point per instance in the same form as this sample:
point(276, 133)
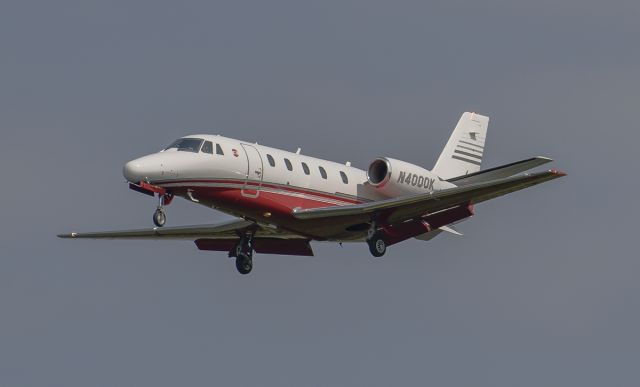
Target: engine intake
point(391, 178)
point(379, 172)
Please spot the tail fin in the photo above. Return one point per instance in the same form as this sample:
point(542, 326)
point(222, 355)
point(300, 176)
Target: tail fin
point(463, 153)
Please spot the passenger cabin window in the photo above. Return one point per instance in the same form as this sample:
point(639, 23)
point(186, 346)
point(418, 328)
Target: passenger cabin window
point(323, 173)
point(207, 147)
point(272, 162)
point(219, 150)
point(288, 164)
point(186, 144)
point(305, 168)
point(344, 177)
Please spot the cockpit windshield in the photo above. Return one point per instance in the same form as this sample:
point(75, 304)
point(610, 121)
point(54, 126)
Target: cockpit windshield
point(186, 144)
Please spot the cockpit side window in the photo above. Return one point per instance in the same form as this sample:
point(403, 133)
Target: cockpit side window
point(187, 144)
point(207, 147)
point(219, 150)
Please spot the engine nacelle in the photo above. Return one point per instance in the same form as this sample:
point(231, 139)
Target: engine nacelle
point(393, 178)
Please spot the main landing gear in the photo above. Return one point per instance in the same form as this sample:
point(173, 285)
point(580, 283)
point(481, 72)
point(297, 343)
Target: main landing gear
point(243, 252)
point(376, 242)
point(377, 246)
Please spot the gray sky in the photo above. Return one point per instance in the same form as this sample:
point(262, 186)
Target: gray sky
point(542, 290)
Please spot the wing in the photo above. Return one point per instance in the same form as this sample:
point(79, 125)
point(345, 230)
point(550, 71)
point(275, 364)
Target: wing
point(222, 230)
point(501, 171)
point(415, 206)
point(215, 237)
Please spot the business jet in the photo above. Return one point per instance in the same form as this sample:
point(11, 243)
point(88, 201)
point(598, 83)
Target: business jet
point(283, 200)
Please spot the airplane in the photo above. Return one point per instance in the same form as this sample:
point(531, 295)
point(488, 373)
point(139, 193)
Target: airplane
point(284, 200)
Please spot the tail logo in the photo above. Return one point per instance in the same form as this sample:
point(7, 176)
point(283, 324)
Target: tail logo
point(468, 151)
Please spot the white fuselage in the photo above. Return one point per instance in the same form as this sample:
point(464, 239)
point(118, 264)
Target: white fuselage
point(257, 182)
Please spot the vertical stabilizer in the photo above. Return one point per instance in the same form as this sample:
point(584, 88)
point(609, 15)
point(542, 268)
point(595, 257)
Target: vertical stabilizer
point(463, 153)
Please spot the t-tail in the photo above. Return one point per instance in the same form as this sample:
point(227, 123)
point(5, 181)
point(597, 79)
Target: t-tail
point(463, 153)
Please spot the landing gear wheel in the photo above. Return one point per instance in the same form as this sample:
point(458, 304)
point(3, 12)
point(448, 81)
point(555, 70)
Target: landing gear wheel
point(159, 217)
point(244, 263)
point(377, 246)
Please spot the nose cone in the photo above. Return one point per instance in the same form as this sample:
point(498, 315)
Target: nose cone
point(133, 171)
point(156, 166)
point(147, 168)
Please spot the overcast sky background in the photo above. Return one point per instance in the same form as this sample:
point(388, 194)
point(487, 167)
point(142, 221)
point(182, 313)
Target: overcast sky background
point(542, 290)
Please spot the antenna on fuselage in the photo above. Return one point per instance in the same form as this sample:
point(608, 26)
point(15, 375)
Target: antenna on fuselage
point(298, 151)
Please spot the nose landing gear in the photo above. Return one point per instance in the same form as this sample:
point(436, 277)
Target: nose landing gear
point(159, 217)
point(164, 199)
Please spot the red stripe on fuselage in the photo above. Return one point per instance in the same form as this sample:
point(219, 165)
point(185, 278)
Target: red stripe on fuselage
point(268, 207)
point(266, 201)
point(256, 184)
point(274, 204)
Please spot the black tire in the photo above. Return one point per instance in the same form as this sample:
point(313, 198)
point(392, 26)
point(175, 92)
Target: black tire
point(377, 246)
point(244, 264)
point(159, 218)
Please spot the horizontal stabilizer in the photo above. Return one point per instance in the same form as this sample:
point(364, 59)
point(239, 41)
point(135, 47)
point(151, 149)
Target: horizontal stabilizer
point(500, 172)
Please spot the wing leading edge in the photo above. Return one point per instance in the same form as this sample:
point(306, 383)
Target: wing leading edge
point(224, 230)
point(216, 237)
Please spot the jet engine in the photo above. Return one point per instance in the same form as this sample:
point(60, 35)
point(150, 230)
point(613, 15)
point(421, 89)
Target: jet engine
point(391, 178)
